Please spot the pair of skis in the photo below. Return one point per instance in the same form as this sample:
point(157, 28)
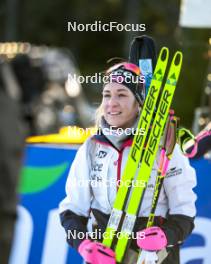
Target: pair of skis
point(134, 180)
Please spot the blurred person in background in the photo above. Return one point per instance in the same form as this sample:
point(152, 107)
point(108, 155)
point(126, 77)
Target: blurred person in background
point(197, 146)
point(11, 153)
point(27, 86)
point(204, 138)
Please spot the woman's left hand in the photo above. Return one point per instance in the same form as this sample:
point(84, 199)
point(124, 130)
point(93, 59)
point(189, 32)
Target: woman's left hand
point(151, 238)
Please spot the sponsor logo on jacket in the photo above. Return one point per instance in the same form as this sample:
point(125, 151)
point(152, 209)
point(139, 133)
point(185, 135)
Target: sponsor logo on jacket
point(101, 154)
point(174, 172)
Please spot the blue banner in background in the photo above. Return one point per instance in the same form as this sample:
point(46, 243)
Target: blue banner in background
point(196, 250)
point(39, 237)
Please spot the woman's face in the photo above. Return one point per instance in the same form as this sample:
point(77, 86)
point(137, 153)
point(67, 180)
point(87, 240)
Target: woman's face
point(120, 107)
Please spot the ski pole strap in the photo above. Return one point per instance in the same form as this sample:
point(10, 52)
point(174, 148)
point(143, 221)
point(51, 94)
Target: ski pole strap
point(188, 143)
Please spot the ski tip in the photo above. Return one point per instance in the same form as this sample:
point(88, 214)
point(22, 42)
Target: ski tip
point(164, 54)
point(178, 57)
point(175, 68)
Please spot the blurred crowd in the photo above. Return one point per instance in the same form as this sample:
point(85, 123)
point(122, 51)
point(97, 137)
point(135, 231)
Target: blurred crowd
point(36, 78)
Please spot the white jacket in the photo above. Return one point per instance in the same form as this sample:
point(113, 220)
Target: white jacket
point(91, 182)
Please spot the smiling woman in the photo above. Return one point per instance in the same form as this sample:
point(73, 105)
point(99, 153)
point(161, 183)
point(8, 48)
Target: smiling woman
point(122, 96)
point(120, 108)
point(100, 163)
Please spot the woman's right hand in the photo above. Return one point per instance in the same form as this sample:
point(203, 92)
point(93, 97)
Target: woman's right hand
point(96, 253)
